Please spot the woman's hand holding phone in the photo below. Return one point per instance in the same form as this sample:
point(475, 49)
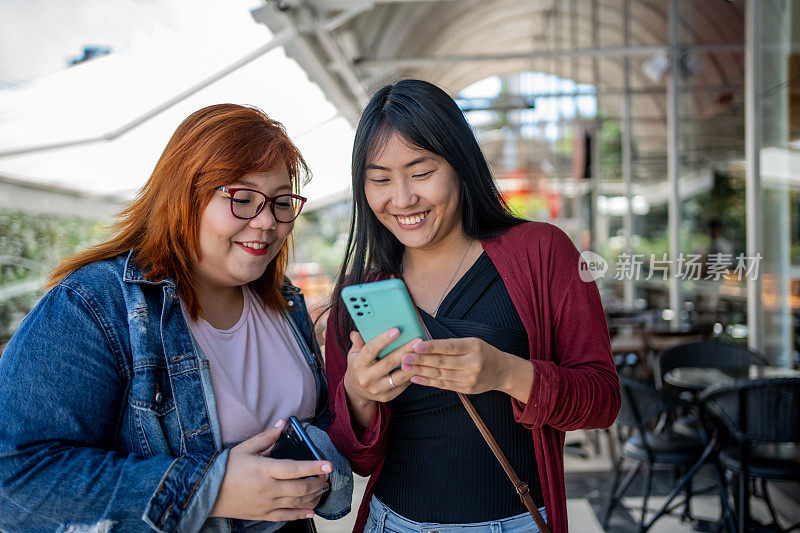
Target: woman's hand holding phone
point(366, 380)
point(469, 366)
point(260, 488)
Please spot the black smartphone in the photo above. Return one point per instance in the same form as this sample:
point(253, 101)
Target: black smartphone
point(294, 443)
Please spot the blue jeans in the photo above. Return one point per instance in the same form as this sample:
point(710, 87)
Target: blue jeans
point(383, 520)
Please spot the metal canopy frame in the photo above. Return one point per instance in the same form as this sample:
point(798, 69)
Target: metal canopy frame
point(352, 47)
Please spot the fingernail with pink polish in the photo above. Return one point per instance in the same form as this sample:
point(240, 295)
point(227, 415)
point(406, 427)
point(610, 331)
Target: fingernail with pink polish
point(416, 380)
point(279, 423)
point(419, 346)
point(394, 332)
point(408, 359)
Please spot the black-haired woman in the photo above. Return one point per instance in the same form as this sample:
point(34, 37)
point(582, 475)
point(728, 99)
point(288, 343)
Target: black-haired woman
point(513, 323)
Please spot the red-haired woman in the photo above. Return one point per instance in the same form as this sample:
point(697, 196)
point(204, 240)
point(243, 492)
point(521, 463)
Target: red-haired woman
point(146, 387)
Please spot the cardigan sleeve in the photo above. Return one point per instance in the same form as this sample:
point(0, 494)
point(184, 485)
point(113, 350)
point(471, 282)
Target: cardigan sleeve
point(576, 387)
point(364, 450)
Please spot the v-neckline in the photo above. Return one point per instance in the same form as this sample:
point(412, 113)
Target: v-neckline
point(474, 269)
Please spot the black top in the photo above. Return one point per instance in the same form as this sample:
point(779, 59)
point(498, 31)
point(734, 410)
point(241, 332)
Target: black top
point(438, 468)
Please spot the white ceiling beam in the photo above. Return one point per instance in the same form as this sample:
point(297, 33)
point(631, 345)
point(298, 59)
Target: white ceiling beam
point(309, 56)
point(342, 65)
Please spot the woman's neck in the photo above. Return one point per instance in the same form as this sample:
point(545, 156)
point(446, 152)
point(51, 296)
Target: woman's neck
point(220, 306)
point(431, 272)
point(438, 256)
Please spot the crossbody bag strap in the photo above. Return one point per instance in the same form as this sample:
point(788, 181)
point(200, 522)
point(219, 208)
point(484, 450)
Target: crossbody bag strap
point(520, 486)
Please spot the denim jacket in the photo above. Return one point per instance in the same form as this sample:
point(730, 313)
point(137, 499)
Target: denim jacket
point(107, 413)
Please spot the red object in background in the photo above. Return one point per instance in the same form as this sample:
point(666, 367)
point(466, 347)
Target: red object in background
point(517, 181)
point(554, 205)
point(515, 184)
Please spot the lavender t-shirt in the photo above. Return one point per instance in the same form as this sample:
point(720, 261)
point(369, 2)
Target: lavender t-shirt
point(259, 374)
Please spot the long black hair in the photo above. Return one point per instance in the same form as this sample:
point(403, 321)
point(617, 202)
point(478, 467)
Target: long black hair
point(427, 118)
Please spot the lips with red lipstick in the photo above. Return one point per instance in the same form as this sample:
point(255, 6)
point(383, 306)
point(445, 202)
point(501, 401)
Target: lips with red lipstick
point(254, 247)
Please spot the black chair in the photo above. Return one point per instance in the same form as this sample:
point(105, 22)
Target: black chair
point(762, 419)
point(708, 354)
point(642, 404)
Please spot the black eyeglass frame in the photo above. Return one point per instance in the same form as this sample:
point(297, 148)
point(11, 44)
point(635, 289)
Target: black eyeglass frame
point(267, 200)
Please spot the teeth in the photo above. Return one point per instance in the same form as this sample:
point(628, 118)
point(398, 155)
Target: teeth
point(255, 245)
point(408, 221)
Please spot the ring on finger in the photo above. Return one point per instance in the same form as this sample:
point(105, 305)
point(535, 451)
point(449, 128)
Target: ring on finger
point(391, 382)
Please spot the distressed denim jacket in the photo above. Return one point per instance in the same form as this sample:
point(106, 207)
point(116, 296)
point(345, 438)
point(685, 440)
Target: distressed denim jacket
point(107, 413)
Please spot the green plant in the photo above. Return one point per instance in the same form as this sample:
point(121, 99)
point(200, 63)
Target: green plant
point(30, 245)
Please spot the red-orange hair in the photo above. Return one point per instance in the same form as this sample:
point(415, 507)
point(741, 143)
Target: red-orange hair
point(213, 147)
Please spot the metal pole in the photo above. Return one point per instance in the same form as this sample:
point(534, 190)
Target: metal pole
point(344, 17)
point(628, 285)
point(673, 162)
point(556, 72)
point(753, 198)
point(645, 91)
point(579, 201)
point(595, 142)
point(610, 51)
point(776, 245)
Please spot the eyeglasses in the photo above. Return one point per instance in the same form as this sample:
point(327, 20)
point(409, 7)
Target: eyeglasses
point(248, 203)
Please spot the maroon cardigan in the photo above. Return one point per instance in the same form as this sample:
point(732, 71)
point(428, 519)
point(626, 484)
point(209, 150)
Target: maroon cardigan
point(575, 384)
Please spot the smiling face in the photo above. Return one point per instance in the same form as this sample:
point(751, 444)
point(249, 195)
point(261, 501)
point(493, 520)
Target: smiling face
point(235, 251)
point(413, 193)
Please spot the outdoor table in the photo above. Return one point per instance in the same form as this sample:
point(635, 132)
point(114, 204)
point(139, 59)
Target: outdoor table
point(698, 379)
point(695, 380)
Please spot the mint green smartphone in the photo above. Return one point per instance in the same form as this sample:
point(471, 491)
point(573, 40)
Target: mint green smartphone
point(381, 305)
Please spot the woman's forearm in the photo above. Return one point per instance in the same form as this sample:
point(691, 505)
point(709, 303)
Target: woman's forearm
point(361, 411)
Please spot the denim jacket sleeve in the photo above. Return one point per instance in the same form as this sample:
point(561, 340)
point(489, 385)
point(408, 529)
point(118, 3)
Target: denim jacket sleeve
point(63, 385)
point(335, 503)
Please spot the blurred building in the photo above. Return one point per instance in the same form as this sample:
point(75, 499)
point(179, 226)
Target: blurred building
point(632, 124)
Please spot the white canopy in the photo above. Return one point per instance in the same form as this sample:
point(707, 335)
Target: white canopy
point(175, 47)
